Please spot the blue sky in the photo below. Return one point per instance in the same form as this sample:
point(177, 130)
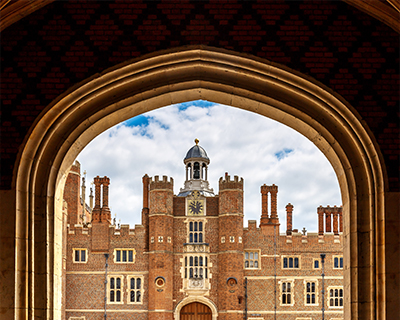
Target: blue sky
point(237, 141)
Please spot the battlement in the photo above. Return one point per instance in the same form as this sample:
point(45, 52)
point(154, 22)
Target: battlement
point(227, 183)
point(156, 183)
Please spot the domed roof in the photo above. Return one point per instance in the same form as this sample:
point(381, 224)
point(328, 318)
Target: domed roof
point(196, 152)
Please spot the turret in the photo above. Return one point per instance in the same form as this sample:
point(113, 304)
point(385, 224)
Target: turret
point(161, 258)
point(230, 257)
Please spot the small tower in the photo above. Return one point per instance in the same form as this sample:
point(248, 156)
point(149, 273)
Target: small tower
point(196, 164)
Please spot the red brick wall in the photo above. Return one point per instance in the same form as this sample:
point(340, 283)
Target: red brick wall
point(66, 42)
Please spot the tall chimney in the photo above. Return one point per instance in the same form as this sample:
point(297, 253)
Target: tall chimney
point(320, 220)
point(289, 212)
point(264, 205)
point(145, 180)
point(328, 222)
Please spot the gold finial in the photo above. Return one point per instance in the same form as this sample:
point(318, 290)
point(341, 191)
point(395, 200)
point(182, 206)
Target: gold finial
point(196, 141)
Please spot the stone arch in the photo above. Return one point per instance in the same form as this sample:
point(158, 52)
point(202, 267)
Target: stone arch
point(183, 74)
point(188, 300)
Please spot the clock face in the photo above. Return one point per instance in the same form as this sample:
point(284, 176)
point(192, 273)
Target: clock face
point(196, 207)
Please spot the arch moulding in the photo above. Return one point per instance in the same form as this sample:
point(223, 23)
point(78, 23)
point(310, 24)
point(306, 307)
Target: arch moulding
point(185, 74)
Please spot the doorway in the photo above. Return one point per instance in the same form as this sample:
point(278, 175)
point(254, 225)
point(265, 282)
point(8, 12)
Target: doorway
point(196, 311)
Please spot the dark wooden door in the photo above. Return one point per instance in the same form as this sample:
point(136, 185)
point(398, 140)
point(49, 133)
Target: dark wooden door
point(196, 311)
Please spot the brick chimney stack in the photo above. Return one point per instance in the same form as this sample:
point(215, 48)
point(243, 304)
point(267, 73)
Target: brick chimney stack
point(289, 213)
point(101, 214)
point(333, 220)
point(268, 222)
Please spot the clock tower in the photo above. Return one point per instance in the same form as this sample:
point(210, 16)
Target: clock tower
point(196, 164)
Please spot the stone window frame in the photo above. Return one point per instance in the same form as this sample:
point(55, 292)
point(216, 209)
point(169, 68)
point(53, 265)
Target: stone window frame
point(333, 297)
point(340, 262)
point(288, 257)
point(188, 232)
point(129, 289)
point(258, 260)
point(203, 266)
point(319, 264)
point(109, 289)
point(127, 255)
point(80, 255)
point(281, 282)
point(315, 292)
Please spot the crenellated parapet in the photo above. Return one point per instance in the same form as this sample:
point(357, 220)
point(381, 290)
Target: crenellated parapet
point(157, 184)
point(227, 183)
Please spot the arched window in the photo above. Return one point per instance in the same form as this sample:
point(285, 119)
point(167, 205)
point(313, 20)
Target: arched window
point(196, 171)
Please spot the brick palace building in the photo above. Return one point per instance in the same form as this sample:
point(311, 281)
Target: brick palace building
point(191, 258)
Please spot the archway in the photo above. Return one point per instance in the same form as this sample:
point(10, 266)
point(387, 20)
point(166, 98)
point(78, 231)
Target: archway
point(195, 310)
point(185, 74)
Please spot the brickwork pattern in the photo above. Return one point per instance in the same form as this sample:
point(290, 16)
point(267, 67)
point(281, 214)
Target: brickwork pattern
point(66, 42)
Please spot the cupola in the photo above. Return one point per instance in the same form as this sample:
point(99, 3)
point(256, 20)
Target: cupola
point(196, 164)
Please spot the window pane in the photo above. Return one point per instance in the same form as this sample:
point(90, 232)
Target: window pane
point(185, 273)
point(206, 262)
point(285, 264)
point(341, 302)
point(296, 262)
point(191, 261)
point(185, 261)
point(284, 287)
point(308, 287)
point(312, 286)
point(316, 264)
point(132, 296)
point(255, 255)
point(195, 226)
point(290, 262)
point(246, 264)
point(206, 273)
point(288, 287)
point(201, 272)
point(336, 292)
point(196, 261)
point(288, 298)
point(200, 226)
point(331, 302)
point(112, 296)
point(251, 263)
point(191, 226)
point(191, 273)
point(336, 262)
point(138, 296)
point(255, 264)
point(83, 255)
point(118, 296)
point(201, 261)
point(124, 256)
point(118, 283)
point(138, 283)
point(130, 255)
point(341, 262)
point(246, 255)
point(336, 303)
point(191, 237)
point(195, 237)
point(118, 259)
point(112, 283)
point(77, 255)
point(132, 283)
point(308, 299)
point(284, 299)
point(200, 237)
point(313, 298)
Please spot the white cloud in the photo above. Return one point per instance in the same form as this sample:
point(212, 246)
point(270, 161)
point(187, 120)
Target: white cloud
point(238, 142)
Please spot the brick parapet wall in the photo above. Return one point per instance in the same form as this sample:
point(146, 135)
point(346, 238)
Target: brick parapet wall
point(65, 42)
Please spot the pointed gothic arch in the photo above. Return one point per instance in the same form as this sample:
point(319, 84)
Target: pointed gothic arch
point(183, 74)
